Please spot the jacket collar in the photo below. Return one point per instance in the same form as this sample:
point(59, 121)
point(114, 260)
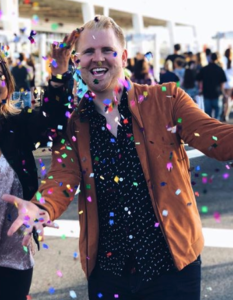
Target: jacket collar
point(132, 101)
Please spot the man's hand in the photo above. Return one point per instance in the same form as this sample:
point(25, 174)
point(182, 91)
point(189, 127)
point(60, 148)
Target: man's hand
point(62, 53)
point(29, 215)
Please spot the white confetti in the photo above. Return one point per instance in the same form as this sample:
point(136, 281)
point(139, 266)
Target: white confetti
point(165, 213)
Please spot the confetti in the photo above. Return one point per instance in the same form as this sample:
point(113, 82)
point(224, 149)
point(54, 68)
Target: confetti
point(204, 209)
point(178, 192)
point(163, 88)
point(59, 273)
point(89, 199)
point(73, 295)
point(165, 213)
point(51, 290)
point(196, 134)
point(217, 217)
point(45, 246)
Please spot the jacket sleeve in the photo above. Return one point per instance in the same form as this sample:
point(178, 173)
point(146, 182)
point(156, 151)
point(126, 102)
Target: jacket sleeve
point(52, 116)
point(196, 128)
point(58, 189)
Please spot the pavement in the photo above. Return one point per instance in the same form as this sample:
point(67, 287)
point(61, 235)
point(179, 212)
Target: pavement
point(58, 275)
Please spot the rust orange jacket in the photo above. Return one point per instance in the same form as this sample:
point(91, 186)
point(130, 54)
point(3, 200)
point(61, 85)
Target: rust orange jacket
point(163, 159)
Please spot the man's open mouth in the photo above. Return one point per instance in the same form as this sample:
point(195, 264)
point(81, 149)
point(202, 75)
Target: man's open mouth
point(98, 71)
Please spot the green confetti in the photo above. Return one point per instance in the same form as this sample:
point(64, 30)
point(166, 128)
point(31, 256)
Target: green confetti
point(214, 138)
point(63, 237)
point(25, 248)
point(64, 155)
point(97, 158)
point(68, 148)
point(135, 184)
point(96, 81)
point(63, 141)
point(50, 177)
point(204, 209)
point(66, 193)
point(38, 196)
point(179, 120)
point(178, 84)
point(204, 174)
point(164, 88)
point(88, 186)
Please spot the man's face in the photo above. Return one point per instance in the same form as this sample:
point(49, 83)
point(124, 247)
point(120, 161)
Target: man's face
point(102, 59)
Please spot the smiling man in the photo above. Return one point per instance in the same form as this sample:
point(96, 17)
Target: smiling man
point(141, 234)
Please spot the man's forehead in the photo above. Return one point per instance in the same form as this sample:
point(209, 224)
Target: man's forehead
point(93, 38)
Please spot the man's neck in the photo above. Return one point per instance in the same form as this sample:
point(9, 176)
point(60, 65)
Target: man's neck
point(110, 95)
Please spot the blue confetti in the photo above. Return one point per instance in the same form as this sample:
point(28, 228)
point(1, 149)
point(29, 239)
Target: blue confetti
point(51, 290)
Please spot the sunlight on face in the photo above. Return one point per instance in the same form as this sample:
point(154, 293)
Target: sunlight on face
point(102, 59)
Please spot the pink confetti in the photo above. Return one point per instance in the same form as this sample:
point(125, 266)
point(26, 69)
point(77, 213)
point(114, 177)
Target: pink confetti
point(108, 126)
point(59, 160)
point(89, 199)
point(169, 166)
point(228, 167)
point(68, 114)
point(74, 138)
point(226, 176)
point(156, 225)
point(46, 99)
point(59, 273)
point(132, 102)
point(204, 180)
point(217, 217)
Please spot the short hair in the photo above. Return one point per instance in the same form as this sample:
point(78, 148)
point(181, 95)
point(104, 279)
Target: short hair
point(214, 57)
point(207, 51)
point(8, 108)
point(177, 47)
point(21, 57)
point(102, 22)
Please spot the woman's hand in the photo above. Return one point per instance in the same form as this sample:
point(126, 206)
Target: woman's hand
point(61, 53)
point(29, 215)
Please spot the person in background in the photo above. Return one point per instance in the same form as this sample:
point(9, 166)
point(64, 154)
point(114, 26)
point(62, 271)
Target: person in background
point(189, 83)
point(179, 69)
point(167, 74)
point(20, 131)
point(31, 63)
point(211, 83)
point(141, 73)
point(175, 55)
point(208, 53)
point(228, 86)
point(22, 76)
point(200, 61)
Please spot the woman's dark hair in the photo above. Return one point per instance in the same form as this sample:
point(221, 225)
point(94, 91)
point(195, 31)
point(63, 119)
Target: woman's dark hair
point(138, 69)
point(189, 79)
point(228, 56)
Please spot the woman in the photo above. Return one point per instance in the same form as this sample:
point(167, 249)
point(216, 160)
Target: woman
point(19, 132)
point(142, 74)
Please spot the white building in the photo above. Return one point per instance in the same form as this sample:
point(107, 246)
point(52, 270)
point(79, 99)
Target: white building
point(148, 25)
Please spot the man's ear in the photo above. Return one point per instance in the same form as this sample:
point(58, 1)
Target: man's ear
point(124, 58)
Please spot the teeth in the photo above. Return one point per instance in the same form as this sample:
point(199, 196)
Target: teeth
point(99, 70)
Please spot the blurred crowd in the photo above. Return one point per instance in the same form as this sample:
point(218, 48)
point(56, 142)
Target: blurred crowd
point(207, 77)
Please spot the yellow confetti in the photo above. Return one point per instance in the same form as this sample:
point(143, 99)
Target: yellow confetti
point(196, 134)
point(81, 212)
point(29, 110)
point(16, 204)
point(37, 145)
point(59, 76)
point(101, 177)
point(39, 238)
point(116, 179)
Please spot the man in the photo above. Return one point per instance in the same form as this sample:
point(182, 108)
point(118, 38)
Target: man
point(211, 83)
point(22, 74)
point(176, 54)
point(140, 234)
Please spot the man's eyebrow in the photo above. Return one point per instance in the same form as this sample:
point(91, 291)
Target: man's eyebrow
point(88, 49)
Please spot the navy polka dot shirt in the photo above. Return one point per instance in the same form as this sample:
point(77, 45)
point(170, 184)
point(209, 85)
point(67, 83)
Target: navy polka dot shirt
point(129, 231)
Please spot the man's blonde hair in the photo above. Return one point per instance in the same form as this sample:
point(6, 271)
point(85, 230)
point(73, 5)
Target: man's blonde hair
point(101, 22)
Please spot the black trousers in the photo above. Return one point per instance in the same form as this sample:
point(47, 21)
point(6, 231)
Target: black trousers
point(15, 284)
point(175, 285)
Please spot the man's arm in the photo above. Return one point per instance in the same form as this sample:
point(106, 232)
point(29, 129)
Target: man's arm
point(196, 128)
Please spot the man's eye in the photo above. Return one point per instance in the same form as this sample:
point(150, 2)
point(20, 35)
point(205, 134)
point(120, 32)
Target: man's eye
point(108, 50)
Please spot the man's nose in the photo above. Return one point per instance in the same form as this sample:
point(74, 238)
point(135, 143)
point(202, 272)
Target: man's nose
point(98, 56)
